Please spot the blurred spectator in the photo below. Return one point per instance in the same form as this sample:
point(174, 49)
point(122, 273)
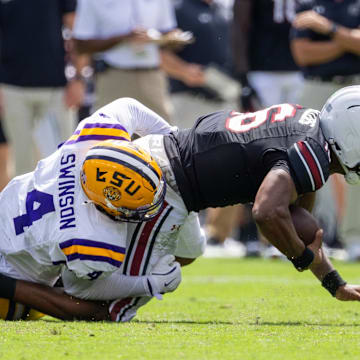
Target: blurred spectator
point(4, 157)
point(5, 162)
point(266, 69)
point(33, 63)
point(126, 36)
point(200, 83)
point(208, 57)
point(263, 60)
point(327, 47)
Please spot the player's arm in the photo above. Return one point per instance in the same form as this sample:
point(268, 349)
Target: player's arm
point(164, 277)
point(120, 120)
point(272, 215)
point(271, 212)
point(306, 201)
point(143, 120)
point(132, 116)
point(51, 301)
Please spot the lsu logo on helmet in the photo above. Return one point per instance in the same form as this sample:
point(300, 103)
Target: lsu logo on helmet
point(112, 193)
point(123, 181)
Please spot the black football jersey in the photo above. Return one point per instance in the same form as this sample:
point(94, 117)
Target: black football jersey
point(223, 159)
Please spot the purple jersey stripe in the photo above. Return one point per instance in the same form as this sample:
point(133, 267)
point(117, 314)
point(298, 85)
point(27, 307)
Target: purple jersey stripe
point(92, 243)
point(95, 137)
point(94, 258)
point(104, 126)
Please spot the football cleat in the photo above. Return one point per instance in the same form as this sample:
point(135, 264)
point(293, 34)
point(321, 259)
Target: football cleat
point(123, 181)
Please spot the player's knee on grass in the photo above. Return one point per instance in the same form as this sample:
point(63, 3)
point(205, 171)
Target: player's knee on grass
point(11, 310)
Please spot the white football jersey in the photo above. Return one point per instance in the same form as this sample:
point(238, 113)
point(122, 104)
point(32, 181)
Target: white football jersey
point(172, 231)
point(44, 220)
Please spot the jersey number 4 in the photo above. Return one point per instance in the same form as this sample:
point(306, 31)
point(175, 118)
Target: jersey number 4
point(243, 122)
point(38, 204)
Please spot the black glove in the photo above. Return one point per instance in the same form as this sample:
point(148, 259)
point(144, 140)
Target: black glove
point(248, 100)
point(7, 287)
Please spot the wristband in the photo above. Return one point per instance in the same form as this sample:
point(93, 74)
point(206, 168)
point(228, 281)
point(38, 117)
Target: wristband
point(332, 281)
point(333, 30)
point(7, 287)
point(302, 262)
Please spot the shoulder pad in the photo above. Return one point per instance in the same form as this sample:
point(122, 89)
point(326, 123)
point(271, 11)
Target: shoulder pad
point(310, 163)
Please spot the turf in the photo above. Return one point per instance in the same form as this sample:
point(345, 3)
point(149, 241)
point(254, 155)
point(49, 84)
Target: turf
point(224, 309)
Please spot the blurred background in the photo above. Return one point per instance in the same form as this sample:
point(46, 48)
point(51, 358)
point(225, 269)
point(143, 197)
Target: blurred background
point(63, 59)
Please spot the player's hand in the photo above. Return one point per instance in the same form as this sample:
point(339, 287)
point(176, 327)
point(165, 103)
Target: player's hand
point(348, 292)
point(165, 276)
point(316, 248)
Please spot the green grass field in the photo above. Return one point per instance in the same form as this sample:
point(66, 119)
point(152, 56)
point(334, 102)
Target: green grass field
point(224, 309)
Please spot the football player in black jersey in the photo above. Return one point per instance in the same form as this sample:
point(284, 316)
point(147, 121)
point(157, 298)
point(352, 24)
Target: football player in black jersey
point(272, 158)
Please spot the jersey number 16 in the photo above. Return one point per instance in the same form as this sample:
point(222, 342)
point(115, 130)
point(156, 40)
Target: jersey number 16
point(243, 122)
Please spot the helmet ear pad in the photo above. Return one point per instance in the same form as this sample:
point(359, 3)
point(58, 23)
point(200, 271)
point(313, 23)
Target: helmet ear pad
point(123, 179)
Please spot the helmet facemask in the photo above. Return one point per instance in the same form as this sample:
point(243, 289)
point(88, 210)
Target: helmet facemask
point(143, 213)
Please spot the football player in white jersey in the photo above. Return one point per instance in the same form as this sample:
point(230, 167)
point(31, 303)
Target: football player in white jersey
point(99, 213)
